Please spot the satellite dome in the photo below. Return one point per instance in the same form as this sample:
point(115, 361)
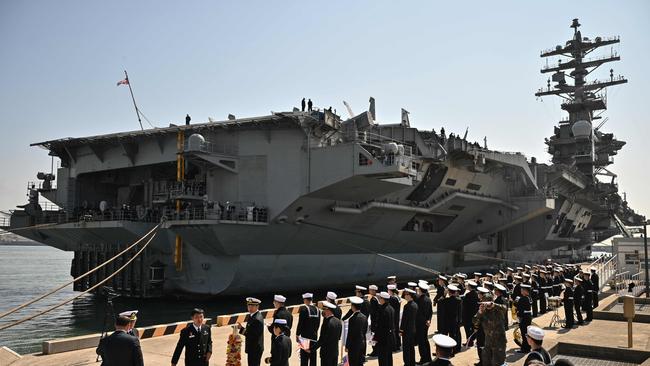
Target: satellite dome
point(581, 129)
point(195, 141)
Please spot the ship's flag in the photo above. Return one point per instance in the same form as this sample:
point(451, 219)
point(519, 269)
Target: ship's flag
point(123, 82)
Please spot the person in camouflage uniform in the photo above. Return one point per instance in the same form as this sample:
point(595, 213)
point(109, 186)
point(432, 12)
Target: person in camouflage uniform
point(490, 319)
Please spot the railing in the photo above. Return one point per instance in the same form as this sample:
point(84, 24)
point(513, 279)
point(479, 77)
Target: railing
point(5, 221)
point(212, 148)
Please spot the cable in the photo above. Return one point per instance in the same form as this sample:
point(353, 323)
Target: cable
point(146, 119)
point(78, 278)
point(7, 326)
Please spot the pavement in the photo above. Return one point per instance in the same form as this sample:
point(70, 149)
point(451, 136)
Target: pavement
point(158, 351)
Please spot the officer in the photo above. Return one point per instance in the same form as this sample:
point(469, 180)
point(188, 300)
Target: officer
point(444, 350)
point(578, 295)
point(385, 334)
point(197, 341)
point(544, 291)
point(501, 298)
point(308, 323)
point(331, 298)
point(441, 285)
point(470, 307)
point(407, 327)
point(120, 349)
point(422, 323)
point(568, 303)
point(525, 315)
point(281, 312)
point(451, 308)
point(374, 314)
point(281, 344)
point(364, 307)
point(330, 334)
point(489, 319)
point(396, 304)
point(133, 317)
point(355, 343)
point(534, 338)
point(587, 303)
point(254, 332)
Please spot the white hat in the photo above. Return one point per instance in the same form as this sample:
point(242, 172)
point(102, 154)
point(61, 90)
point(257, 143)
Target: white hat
point(442, 278)
point(409, 291)
point(356, 300)
point(253, 301)
point(392, 287)
point(525, 286)
point(279, 298)
point(329, 305)
point(535, 333)
point(453, 288)
point(384, 295)
point(131, 314)
point(424, 286)
point(477, 274)
point(472, 283)
point(509, 269)
point(331, 295)
point(500, 287)
point(307, 295)
point(373, 287)
point(391, 277)
point(280, 321)
point(444, 341)
point(357, 287)
point(412, 284)
point(517, 277)
point(488, 283)
point(423, 281)
point(593, 268)
point(568, 280)
point(483, 290)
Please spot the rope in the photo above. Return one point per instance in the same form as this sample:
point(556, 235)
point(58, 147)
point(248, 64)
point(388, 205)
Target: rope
point(76, 279)
point(7, 326)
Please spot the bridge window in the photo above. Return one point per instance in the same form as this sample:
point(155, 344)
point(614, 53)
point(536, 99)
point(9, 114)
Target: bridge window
point(451, 182)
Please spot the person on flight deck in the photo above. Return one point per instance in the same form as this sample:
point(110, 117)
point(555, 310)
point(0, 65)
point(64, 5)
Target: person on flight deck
point(302, 104)
point(309, 105)
point(187, 120)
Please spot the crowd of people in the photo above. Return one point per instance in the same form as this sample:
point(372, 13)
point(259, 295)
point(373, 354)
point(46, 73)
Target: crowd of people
point(386, 320)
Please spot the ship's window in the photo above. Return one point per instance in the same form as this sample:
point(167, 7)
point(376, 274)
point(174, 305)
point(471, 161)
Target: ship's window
point(450, 182)
point(456, 208)
point(473, 187)
point(363, 160)
point(429, 223)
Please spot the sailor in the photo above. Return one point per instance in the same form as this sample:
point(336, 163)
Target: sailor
point(395, 302)
point(477, 277)
point(253, 332)
point(280, 345)
point(515, 294)
point(407, 327)
point(568, 303)
point(595, 286)
point(441, 285)
point(302, 104)
point(501, 298)
point(543, 291)
point(133, 317)
point(412, 285)
point(385, 333)
point(534, 287)
point(470, 307)
point(281, 312)
point(331, 297)
point(187, 119)
point(534, 338)
point(365, 305)
point(451, 313)
point(197, 341)
point(422, 323)
point(391, 280)
point(444, 350)
point(330, 334)
point(309, 105)
point(509, 275)
point(307, 329)
point(524, 314)
point(587, 302)
point(355, 343)
point(120, 349)
point(374, 314)
point(578, 295)
point(557, 282)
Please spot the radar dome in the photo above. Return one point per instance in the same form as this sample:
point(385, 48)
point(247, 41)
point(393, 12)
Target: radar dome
point(581, 129)
point(195, 141)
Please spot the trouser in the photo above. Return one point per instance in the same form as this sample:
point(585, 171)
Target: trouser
point(568, 314)
point(385, 354)
point(356, 357)
point(254, 358)
point(589, 311)
point(330, 360)
point(408, 351)
point(422, 339)
point(534, 306)
point(454, 332)
point(196, 362)
point(578, 311)
point(493, 356)
point(469, 329)
point(542, 303)
point(595, 299)
point(308, 358)
point(398, 339)
point(524, 322)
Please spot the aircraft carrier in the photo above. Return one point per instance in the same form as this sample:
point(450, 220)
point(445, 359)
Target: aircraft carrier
point(308, 199)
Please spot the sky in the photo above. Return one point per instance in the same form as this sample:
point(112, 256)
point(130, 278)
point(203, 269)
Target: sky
point(455, 64)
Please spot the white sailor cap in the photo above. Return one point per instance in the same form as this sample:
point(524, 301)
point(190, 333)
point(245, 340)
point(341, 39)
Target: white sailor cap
point(489, 275)
point(424, 285)
point(525, 286)
point(131, 314)
point(442, 278)
point(423, 281)
point(462, 275)
point(535, 333)
point(391, 277)
point(331, 295)
point(444, 341)
point(509, 269)
point(526, 266)
point(373, 287)
point(519, 268)
point(280, 321)
point(517, 277)
point(478, 274)
point(585, 272)
point(483, 290)
point(568, 280)
point(392, 287)
point(578, 278)
point(412, 284)
point(472, 283)
point(253, 301)
point(452, 287)
point(487, 283)
point(361, 288)
point(500, 287)
point(502, 273)
point(384, 295)
point(328, 305)
point(356, 300)
point(593, 268)
point(410, 291)
point(307, 295)
point(526, 275)
point(279, 298)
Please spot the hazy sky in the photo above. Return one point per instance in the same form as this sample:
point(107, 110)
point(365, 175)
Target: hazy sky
point(452, 64)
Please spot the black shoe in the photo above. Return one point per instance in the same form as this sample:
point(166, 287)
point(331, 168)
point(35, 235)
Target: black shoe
point(372, 354)
point(581, 323)
point(521, 351)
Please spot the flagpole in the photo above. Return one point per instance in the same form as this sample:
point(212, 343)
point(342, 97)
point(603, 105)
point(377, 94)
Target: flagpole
point(128, 82)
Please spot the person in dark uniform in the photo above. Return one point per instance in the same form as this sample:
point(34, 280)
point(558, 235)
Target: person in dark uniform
point(330, 334)
point(470, 307)
point(197, 341)
point(307, 330)
point(254, 332)
point(364, 307)
point(534, 295)
point(120, 349)
point(422, 323)
point(385, 334)
point(534, 339)
point(452, 314)
point(444, 350)
point(568, 304)
point(374, 313)
point(309, 105)
point(187, 119)
point(280, 345)
point(557, 282)
point(509, 275)
point(355, 343)
point(588, 299)
point(331, 297)
point(441, 285)
point(501, 298)
point(578, 295)
point(595, 282)
point(524, 314)
point(407, 327)
point(543, 291)
point(133, 317)
point(281, 312)
point(395, 302)
point(302, 104)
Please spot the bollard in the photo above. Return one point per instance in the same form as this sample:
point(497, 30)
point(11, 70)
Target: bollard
point(628, 313)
